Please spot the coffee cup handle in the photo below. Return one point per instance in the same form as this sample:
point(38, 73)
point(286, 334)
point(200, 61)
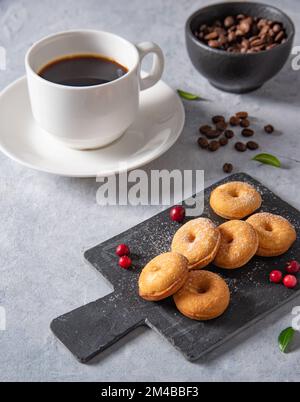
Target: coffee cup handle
point(157, 69)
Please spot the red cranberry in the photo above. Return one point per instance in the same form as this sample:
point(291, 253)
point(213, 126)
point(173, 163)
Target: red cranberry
point(293, 267)
point(177, 214)
point(290, 281)
point(122, 250)
point(276, 276)
point(125, 262)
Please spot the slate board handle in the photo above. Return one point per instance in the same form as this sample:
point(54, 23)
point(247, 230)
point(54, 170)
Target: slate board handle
point(90, 329)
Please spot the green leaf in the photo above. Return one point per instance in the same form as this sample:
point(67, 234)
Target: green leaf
point(268, 159)
point(285, 339)
point(187, 95)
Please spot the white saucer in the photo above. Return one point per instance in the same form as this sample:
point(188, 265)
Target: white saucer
point(158, 126)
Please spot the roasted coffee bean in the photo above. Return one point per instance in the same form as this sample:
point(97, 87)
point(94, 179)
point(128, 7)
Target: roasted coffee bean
point(212, 134)
point(253, 146)
point(223, 141)
point(245, 25)
point(276, 28)
point(279, 36)
point(216, 119)
point(242, 115)
point(234, 121)
point(231, 37)
point(245, 44)
point(261, 23)
point(214, 44)
point(257, 42)
point(214, 146)
point(229, 134)
point(228, 22)
point(269, 129)
point(240, 146)
point(245, 123)
point(203, 143)
point(239, 32)
point(212, 35)
point(223, 40)
point(247, 132)
point(264, 31)
point(221, 126)
point(228, 168)
point(205, 129)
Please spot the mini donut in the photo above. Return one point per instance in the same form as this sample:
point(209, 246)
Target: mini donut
point(163, 276)
point(198, 240)
point(276, 234)
point(203, 297)
point(235, 200)
point(239, 243)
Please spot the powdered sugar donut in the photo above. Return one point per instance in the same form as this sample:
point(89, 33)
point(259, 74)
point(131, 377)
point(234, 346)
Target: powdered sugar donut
point(239, 243)
point(198, 240)
point(276, 234)
point(235, 200)
point(163, 276)
point(203, 297)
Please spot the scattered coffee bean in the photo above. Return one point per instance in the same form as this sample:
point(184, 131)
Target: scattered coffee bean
point(242, 34)
point(247, 132)
point(221, 126)
point(213, 134)
point(214, 146)
point(205, 129)
point(209, 139)
point(234, 121)
point(229, 134)
point(269, 129)
point(203, 143)
point(223, 141)
point(253, 146)
point(245, 123)
point(217, 119)
point(241, 147)
point(228, 168)
point(242, 115)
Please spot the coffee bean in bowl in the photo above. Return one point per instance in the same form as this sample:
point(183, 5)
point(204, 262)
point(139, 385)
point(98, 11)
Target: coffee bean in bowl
point(238, 46)
point(242, 34)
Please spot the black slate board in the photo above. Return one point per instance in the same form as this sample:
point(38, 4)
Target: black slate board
point(90, 329)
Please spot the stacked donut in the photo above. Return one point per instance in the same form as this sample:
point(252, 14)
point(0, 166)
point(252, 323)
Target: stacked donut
point(203, 295)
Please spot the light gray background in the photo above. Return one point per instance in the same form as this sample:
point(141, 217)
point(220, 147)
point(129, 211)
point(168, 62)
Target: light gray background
point(47, 221)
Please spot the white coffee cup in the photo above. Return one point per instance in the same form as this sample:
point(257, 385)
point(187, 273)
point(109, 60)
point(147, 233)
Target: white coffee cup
point(93, 116)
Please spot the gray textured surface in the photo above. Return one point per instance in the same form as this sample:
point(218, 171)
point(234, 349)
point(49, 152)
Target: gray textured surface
point(47, 221)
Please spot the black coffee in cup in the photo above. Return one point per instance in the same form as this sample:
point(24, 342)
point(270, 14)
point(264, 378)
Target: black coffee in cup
point(82, 70)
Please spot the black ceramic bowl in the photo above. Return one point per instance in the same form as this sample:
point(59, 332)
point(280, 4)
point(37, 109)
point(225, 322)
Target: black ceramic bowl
point(237, 72)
